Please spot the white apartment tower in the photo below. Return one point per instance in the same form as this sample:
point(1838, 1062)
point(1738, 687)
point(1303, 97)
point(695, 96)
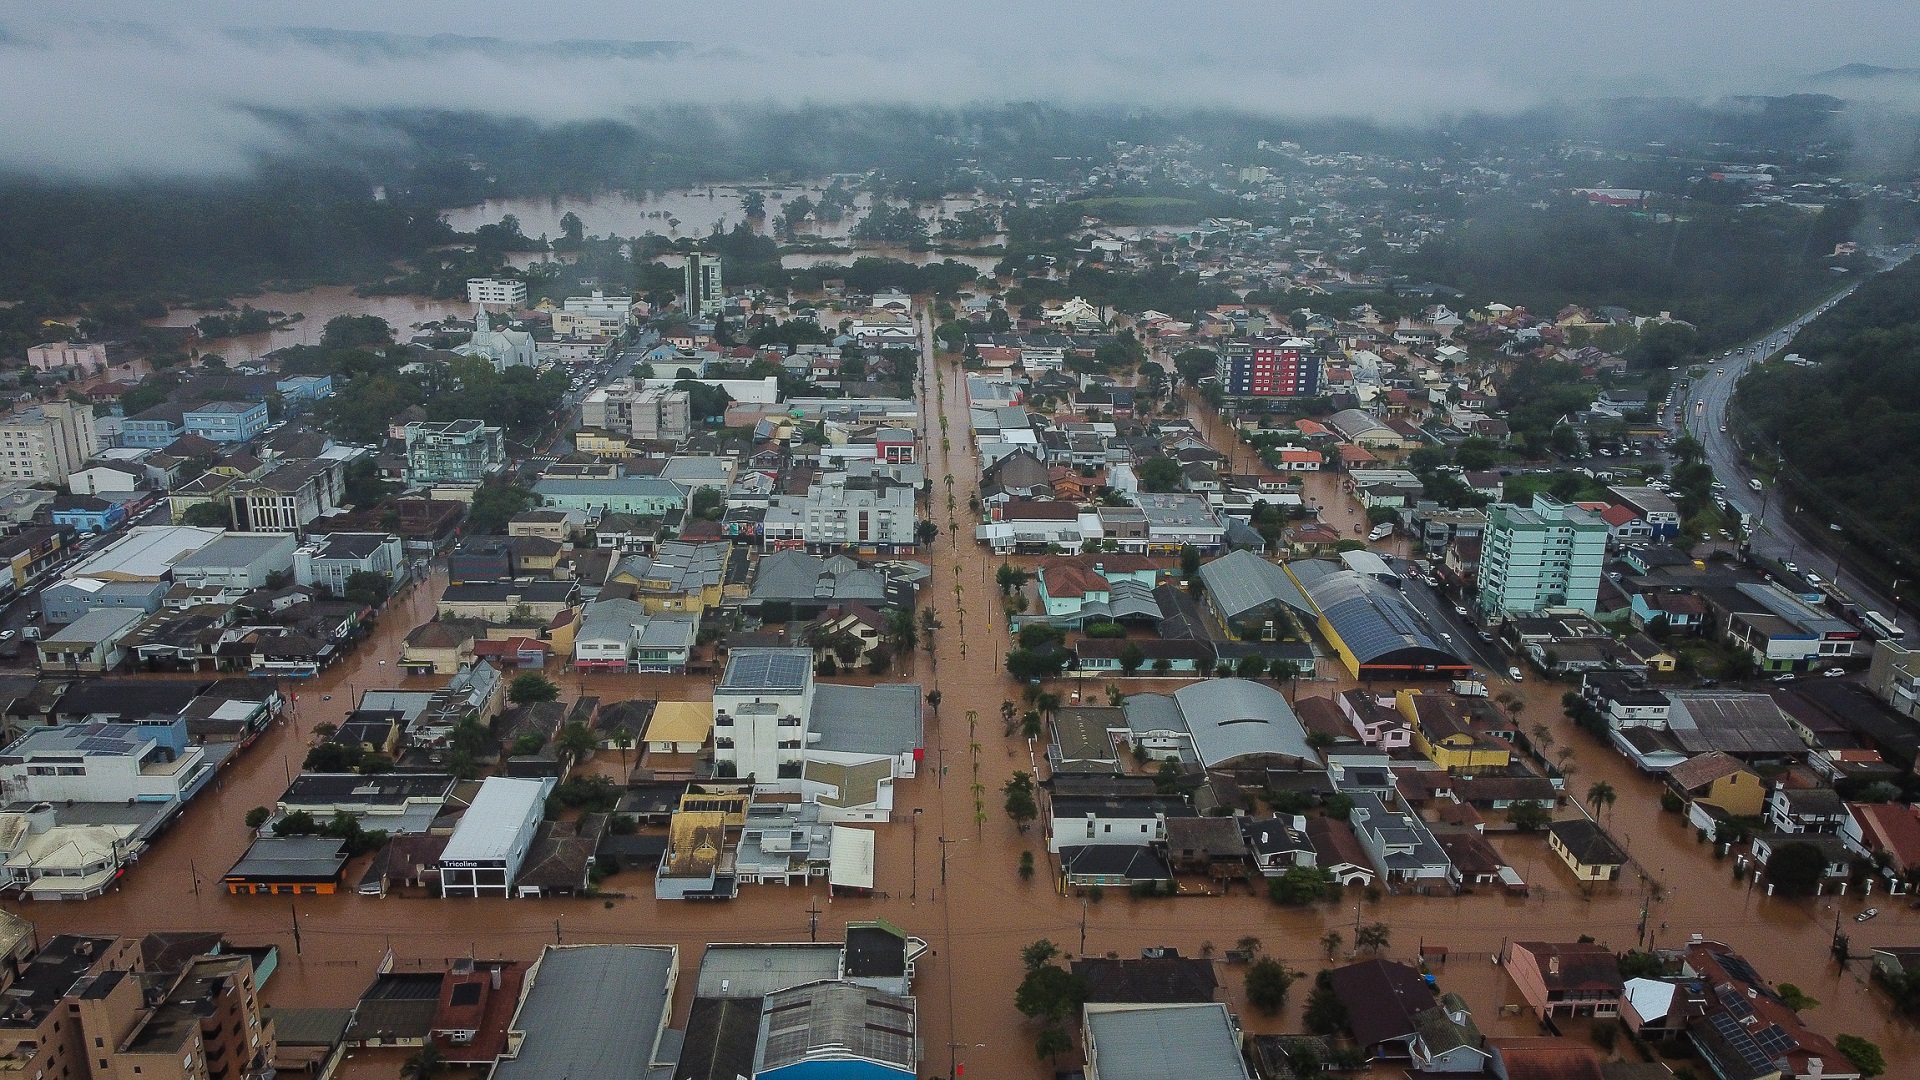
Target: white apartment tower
point(486, 290)
point(47, 443)
point(705, 293)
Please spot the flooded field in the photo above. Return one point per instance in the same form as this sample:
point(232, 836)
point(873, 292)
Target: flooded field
point(318, 305)
point(979, 916)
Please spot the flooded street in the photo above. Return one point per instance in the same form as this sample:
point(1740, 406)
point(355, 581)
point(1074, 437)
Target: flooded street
point(978, 918)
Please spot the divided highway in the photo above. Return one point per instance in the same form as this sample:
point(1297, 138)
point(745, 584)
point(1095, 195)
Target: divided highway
point(1776, 534)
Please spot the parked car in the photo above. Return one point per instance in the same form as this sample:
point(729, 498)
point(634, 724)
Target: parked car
point(1832, 673)
point(1867, 914)
point(1460, 610)
point(1516, 674)
point(1785, 676)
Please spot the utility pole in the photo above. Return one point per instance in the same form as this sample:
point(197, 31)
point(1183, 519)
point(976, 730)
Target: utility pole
point(915, 893)
point(292, 907)
point(1083, 925)
point(556, 931)
point(813, 921)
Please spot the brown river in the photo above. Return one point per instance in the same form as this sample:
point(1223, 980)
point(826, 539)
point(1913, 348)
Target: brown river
point(982, 914)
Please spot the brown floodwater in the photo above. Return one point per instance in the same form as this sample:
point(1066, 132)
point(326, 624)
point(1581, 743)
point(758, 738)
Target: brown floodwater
point(319, 304)
point(980, 915)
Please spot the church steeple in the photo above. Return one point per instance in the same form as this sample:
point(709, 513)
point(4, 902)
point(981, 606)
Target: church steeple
point(480, 323)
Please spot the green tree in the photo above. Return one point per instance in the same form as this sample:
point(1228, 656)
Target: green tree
point(1196, 364)
point(496, 504)
point(1268, 981)
point(1250, 667)
point(1528, 816)
point(1299, 885)
point(1051, 995)
point(1371, 937)
point(578, 740)
point(1026, 866)
point(1795, 998)
point(1326, 1014)
point(258, 816)
point(531, 688)
point(1131, 657)
point(1331, 942)
point(207, 515)
point(356, 331)
point(368, 587)
point(332, 757)
point(1021, 804)
point(1865, 1056)
point(1641, 965)
point(1190, 567)
point(1160, 474)
point(1795, 869)
point(1028, 664)
point(1601, 796)
point(1038, 953)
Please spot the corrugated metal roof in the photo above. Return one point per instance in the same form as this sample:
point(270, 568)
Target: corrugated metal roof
point(571, 1031)
point(1194, 1042)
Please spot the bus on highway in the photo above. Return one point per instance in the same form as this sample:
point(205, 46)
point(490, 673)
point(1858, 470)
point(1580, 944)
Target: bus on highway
point(1881, 625)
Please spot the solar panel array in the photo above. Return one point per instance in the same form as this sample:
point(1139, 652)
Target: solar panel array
point(769, 669)
point(1370, 617)
point(1739, 1042)
point(1738, 968)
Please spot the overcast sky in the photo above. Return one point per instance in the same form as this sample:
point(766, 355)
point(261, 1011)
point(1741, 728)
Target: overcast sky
point(137, 86)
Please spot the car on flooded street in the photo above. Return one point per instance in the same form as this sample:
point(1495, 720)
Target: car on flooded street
point(1867, 914)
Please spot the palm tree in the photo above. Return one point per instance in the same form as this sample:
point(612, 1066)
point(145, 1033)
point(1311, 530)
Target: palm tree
point(1331, 942)
point(623, 739)
point(903, 633)
point(1601, 796)
point(1048, 703)
point(425, 1064)
point(934, 697)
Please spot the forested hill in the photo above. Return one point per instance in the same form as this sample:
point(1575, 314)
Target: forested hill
point(1729, 271)
point(1849, 427)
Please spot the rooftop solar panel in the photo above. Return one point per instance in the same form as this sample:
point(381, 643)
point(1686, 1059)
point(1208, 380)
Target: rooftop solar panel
point(768, 669)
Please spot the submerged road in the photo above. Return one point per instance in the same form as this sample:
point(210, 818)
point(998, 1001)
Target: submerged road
point(953, 879)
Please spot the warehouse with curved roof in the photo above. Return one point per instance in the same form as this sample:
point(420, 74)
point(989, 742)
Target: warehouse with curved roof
point(1377, 634)
point(1362, 429)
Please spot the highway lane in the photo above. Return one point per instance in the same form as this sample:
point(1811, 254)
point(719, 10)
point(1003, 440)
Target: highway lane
point(1776, 534)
